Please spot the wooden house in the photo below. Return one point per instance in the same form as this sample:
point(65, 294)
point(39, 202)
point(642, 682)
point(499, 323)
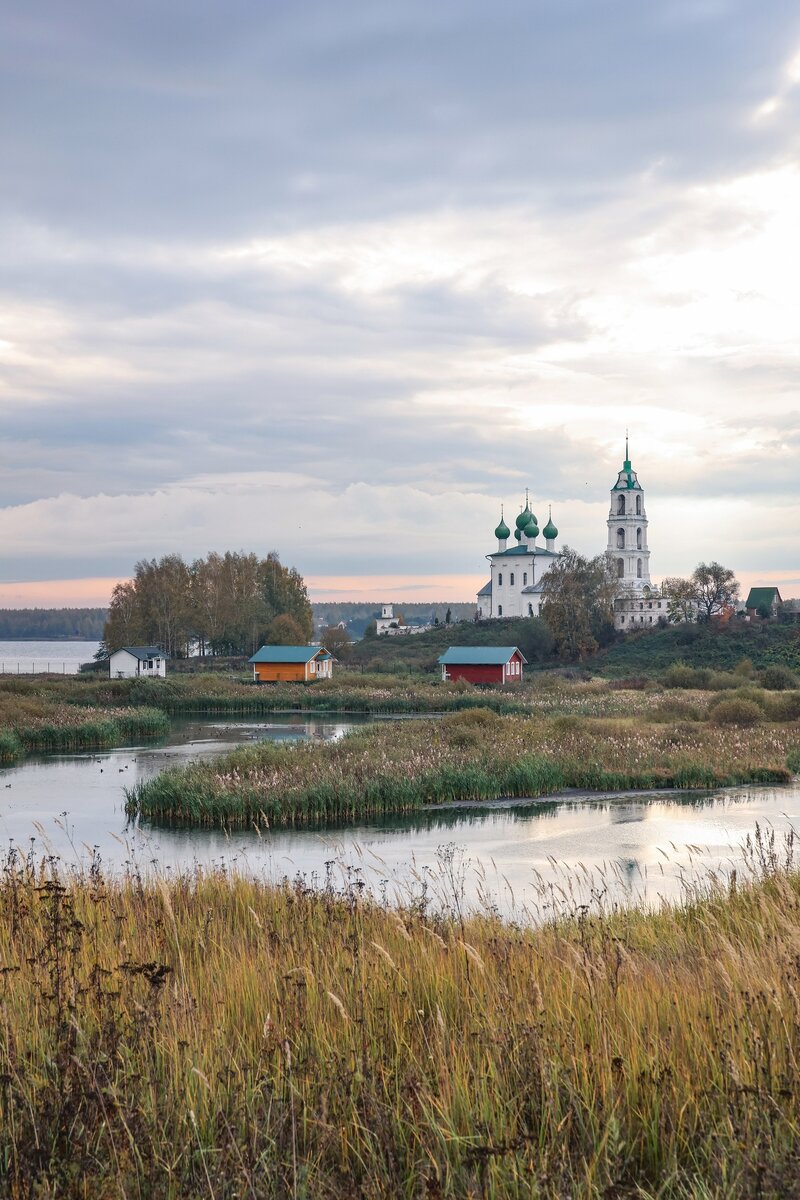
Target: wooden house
point(483, 664)
point(131, 662)
point(294, 664)
point(762, 601)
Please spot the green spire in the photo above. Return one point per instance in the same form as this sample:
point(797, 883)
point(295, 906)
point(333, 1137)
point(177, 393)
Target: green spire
point(626, 466)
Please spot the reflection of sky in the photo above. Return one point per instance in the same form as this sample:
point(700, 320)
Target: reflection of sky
point(521, 857)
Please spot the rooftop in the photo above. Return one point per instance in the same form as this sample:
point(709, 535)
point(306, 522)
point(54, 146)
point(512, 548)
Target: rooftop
point(288, 654)
point(463, 656)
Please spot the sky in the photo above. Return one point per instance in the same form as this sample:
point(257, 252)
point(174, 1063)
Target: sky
point(337, 280)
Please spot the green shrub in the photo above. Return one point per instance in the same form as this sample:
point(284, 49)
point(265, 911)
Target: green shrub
point(735, 710)
point(785, 707)
point(779, 678)
point(793, 760)
point(744, 668)
point(681, 675)
point(675, 708)
point(722, 681)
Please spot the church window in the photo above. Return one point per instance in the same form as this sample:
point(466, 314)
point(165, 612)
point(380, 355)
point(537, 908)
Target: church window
point(511, 579)
point(638, 568)
point(621, 506)
point(530, 610)
point(620, 539)
point(638, 539)
point(499, 610)
point(622, 620)
point(620, 568)
point(500, 580)
point(525, 579)
point(638, 506)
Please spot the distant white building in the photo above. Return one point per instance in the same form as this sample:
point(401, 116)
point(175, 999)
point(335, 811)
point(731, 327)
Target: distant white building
point(517, 572)
point(387, 623)
point(132, 662)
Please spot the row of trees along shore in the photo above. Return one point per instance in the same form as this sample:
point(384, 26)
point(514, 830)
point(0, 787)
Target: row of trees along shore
point(223, 604)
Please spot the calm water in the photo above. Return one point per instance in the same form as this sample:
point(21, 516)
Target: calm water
point(520, 857)
point(33, 658)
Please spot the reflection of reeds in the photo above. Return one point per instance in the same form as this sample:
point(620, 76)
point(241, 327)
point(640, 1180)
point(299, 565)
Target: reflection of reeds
point(213, 1036)
point(475, 755)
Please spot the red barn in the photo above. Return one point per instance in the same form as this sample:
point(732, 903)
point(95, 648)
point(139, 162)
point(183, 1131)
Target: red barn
point(483, 664)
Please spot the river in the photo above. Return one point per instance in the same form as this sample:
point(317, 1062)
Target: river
point(523, 858)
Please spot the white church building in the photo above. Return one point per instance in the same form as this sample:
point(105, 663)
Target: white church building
point(515, 586)
point(517, 571)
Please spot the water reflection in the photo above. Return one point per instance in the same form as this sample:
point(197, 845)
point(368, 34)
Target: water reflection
point(523, 858)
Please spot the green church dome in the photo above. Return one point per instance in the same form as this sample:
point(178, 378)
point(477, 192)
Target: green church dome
point(518, 534)
point(502, 532)
point(524, 517)
point(532, 529)
point(550, 530)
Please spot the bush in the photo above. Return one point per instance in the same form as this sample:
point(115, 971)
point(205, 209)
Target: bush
point(734, 710)
point(723, 681)
point(681, 675)
point(785, 707)
point(779, 678)
point(744, 668)
point(793, 760)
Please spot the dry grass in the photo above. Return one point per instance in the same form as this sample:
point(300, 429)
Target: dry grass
point(215, 1037)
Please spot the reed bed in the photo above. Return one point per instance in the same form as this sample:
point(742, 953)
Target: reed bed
point(474, 755)
point(43, 726)
point(214, 1037)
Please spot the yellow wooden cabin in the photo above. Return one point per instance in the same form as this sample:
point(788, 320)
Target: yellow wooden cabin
point(291, 664)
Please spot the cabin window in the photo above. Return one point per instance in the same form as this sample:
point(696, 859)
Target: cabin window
point(621, 506)
point(620, 539)
point(511, 579)
point(499, 610)
point(312, 666)
point(638, 506)
point(620, 568)
point(500, 579)
point(638, 568)
point(149, 664)
point(638, 539)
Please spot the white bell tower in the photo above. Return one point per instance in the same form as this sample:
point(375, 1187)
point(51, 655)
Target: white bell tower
point(627, 530)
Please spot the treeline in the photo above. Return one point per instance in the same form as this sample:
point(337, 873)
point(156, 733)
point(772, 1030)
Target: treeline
point(19, 624)
point(228, 604)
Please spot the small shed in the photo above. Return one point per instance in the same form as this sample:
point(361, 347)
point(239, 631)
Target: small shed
point(483, 664)
point(132, 662)
point(295, 664)
point(762, 598)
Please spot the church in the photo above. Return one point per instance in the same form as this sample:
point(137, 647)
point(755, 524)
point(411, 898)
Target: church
point(518, 571)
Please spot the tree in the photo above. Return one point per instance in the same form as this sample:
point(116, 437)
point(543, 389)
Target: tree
point(578, 603)
point(337, 641)
point(284, 631)
point(682, 599)
point(448, 617)
point(717, 588)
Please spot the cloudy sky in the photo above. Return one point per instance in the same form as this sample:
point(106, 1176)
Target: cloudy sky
point(337, 279)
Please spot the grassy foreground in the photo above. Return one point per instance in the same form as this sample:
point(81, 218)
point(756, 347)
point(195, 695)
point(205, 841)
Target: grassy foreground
point(474, 755)
point(212, 1037)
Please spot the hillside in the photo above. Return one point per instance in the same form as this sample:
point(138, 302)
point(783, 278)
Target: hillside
point(420, 651)
point(650, 652)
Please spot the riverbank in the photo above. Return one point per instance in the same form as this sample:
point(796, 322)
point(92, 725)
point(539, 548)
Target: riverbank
point(473, 755)
point(212, 1036)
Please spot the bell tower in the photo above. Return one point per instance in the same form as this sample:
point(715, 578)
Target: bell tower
point(627, 530)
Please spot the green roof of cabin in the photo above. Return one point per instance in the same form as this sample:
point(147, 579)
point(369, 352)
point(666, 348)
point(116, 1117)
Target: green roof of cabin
point(479, 656)
point(762, 595)
point(287, 654)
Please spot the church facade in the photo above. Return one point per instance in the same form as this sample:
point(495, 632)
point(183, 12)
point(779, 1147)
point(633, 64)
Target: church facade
point(514, 588)
point(517, 572)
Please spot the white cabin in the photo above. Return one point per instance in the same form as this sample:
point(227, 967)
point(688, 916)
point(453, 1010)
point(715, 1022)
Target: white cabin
point(131, 662)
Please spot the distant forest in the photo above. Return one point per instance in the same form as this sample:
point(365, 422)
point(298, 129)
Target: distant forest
point(52, 624)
